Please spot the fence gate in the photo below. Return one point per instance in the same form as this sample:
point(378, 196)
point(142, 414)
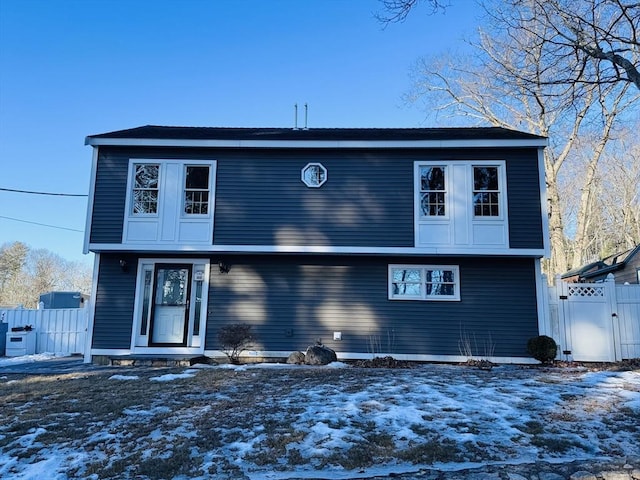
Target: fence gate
point(584, 324)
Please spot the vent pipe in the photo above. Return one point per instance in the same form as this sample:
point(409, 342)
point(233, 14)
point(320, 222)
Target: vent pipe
point(306, 115)
point(295, 116)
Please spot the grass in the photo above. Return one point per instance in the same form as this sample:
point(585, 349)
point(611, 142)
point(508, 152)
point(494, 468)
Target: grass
point(221, 422)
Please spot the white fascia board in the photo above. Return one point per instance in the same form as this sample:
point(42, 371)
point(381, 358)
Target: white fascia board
point(161, 142)
point(544, 199)
point(92, 189)
point(92, 307)
point(315, 249)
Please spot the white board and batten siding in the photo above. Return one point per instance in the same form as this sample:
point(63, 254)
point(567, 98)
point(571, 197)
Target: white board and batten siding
point(593, 322)
point(57, 330)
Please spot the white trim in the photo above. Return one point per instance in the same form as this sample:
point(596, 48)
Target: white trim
point(167, 351)
point(318, 249)
point(503, 207)
point(162, 142)
point(542, 300)
point(460, 229)
point(92, 190)
point(423, 297)
point(167, 223)
point(110, 351)
point(411, 357)
point(544, 204)
point(137, 309)
point(92, 306)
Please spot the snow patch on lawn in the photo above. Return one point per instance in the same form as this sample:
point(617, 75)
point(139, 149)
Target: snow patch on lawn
point(38, 357)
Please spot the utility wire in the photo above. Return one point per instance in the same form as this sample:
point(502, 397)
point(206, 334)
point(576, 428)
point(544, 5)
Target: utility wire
point(42, 224)
point(44, 193)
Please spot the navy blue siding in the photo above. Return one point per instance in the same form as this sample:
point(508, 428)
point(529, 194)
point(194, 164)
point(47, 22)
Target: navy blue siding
point(292, 301)
point(114, 303)
point(367, 200)
point(109, 198)
point(525, 210)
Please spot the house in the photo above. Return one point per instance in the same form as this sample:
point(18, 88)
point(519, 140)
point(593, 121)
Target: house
point(420, 243)
point(625, 266)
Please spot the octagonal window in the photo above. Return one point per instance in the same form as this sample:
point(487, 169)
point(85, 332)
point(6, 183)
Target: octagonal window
point(314, 175)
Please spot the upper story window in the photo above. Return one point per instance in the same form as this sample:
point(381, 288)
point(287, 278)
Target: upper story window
point(461, 205)
point(196, 190)
point(145, 188)
point(486, 191)
point(424, 282)
point(314, 175)
point(433, 191)
point(170, 201)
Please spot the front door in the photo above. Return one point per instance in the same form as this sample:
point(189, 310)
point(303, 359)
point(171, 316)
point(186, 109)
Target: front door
point(170, 305)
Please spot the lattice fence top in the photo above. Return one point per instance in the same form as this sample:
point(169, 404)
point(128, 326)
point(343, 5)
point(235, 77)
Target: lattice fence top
point(586, 291)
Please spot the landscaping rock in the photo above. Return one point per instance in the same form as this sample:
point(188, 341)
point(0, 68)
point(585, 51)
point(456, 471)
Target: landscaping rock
point(583, 475)
point(296, 358)
point(320, 355)
point(615, 475)
point(516, 476)
point(550, 476)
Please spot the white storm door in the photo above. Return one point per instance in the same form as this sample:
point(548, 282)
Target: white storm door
point(170, 309)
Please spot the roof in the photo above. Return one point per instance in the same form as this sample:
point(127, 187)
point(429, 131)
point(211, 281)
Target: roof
point(607, 265)
point(345, 137)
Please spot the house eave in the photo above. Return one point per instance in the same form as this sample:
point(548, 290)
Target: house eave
point(318, 144)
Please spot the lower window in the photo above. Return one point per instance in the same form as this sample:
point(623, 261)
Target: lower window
point(424, 282)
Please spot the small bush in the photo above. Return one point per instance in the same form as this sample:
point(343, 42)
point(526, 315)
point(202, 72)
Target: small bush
point(235, 339)
point(542, 348)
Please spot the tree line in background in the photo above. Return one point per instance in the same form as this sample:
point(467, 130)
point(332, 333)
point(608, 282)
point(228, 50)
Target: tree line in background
point(567, 70)
point(26, 273)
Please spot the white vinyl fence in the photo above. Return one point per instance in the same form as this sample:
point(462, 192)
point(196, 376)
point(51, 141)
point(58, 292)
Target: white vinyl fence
point(56, 330)
point(593, 322)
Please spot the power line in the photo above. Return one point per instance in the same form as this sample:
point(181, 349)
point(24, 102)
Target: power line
point(42, 224)
point(44, 193)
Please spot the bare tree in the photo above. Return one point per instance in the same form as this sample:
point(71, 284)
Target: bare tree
point(588, 41)
point(593, 41)
point(13, 259)
point(398, 10)
point(26, 273)
point(504, 84)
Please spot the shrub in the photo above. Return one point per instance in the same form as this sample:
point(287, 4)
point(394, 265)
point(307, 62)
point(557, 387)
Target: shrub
point(542, 348)
point(235, 339)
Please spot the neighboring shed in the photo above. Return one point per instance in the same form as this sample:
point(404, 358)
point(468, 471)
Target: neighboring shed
point(51, 300)
point(625, 266)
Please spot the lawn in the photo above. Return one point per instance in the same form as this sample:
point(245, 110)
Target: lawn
point(279, 422)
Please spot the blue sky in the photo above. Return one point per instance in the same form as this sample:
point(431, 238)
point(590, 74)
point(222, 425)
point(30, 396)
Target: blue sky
point(72, 68)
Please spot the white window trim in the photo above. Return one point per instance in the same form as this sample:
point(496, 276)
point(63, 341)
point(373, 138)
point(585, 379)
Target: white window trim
point(170, 218)
point(460, 231)
point(196, 163)
point(502, 191)
point(447, 192)
point(423, 295)
point(131, 181)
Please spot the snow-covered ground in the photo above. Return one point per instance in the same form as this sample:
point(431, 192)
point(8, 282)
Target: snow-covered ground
point(266, 422)
point(38, 357)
